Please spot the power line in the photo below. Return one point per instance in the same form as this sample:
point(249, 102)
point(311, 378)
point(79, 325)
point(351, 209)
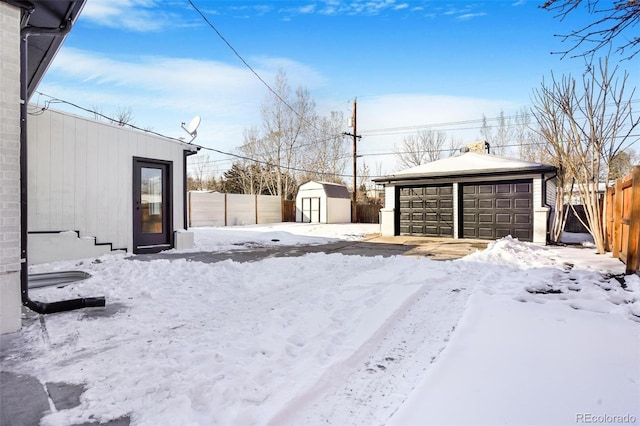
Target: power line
point(213, 27)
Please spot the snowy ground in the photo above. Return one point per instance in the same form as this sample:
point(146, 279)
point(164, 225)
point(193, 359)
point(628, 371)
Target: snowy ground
point(515, 334)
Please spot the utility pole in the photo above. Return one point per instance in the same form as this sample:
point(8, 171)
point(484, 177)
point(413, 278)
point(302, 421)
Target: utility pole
point(354, 213)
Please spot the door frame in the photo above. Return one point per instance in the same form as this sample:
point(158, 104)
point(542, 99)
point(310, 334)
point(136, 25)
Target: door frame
point(165, 240)
point(311, 211)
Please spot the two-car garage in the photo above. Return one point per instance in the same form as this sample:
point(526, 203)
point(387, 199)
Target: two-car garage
point(473, 195)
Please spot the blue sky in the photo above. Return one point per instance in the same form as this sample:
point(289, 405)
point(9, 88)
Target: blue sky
point(409, 63)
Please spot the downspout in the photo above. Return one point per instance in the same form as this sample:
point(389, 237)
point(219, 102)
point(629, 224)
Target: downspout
point(185, 193)
point(39, 307)
point(545, 203)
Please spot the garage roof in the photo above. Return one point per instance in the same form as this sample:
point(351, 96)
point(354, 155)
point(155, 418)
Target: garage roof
point(470, 163)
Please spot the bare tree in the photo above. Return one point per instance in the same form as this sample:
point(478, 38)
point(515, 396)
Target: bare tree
point(498, 136)
point(613, 21)
point(420, 148)
point(325, 155)
point(364, 182)
point(123, 116)
point(293, 143)
point(455, 144)
point(585, 130)
point(198, 170)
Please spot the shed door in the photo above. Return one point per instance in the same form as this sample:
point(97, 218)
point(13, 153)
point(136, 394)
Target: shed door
point(311, 210)
point(496, 209)
point(426, 210)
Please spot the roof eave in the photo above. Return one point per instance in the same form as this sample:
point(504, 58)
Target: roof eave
point(466, 173)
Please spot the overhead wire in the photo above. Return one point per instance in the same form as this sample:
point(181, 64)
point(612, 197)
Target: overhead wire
point(276, 94)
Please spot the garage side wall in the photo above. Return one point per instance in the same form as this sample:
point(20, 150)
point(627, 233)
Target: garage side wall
point(81, 177)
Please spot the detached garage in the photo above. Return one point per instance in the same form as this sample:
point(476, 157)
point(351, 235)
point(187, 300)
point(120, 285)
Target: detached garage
point(472, 195)
point(323, 202)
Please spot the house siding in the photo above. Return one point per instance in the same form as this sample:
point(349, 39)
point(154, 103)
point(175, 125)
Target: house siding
point(81, 177)
point(10, 298)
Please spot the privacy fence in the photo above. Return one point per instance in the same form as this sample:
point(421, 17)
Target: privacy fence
point(623, 220)
point(218, 209)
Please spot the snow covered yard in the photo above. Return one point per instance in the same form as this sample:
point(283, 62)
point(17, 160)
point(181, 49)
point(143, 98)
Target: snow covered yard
point(515, 334)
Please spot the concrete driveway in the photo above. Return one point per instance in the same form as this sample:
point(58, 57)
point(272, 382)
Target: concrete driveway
point(371, 245)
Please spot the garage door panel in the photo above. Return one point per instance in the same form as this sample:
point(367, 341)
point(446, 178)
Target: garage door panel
point(503, 218)
point(469, 203)
point(485, 233)
point(496, 209)
point(485, 203)
point(503, 232)
point(503, 203)
point(503, 188)
point(485, 218)
point(426, 210)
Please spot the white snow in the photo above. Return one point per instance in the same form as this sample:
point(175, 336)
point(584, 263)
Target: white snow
point(469, 161)
point(514, 334)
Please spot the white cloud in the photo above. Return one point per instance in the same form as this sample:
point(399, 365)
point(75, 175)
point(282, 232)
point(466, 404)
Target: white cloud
point(164, 91)
point(132, 15)
point(467, 16)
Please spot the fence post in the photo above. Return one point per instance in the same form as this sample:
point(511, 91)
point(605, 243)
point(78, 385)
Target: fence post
point(617, 218)
point(608, 218)
point(225, 209)
point(255, 205)
point(633, 250)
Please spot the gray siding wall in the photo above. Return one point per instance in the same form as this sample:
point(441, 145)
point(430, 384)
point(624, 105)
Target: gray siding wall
point(10, 299)
point(81, 176)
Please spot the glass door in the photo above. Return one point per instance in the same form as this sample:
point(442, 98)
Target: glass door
point(151, 206)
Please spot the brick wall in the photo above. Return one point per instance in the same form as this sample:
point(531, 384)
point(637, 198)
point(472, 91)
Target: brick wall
point(10, 305)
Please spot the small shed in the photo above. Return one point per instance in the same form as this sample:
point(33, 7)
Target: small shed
point(472, 195)
point(323, 202)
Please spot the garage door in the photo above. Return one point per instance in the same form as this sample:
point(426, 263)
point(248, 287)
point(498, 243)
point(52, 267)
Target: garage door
point(495, 210)
point(426, 210)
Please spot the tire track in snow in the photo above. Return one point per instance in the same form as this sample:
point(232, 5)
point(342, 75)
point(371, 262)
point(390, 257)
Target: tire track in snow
point(369, 387)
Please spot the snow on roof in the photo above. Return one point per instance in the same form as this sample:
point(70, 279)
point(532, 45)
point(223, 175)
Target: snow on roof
point(333, 190)
point(468, 163)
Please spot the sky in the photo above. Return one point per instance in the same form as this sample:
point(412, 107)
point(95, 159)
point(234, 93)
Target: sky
point(515, 334)
point(409, 65)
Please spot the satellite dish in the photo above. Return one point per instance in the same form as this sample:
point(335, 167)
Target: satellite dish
point(193, 127)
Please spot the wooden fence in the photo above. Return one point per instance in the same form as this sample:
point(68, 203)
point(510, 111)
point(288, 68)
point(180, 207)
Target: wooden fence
point(368, 213)
point(288, 210)
point(623, 220)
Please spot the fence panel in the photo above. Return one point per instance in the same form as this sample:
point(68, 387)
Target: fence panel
point(623, 220)
point(288, 210)
point(218, 209)
point(368, 213)
point(268, 209)
point(206, 209)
